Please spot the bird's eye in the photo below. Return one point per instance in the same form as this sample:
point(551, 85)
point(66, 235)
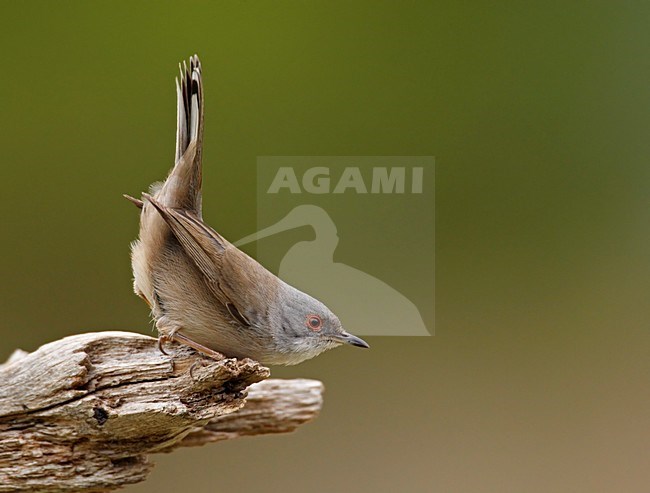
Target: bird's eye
point(314, 322)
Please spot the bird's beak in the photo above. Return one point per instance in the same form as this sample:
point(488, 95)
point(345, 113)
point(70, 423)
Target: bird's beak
point(346, 338)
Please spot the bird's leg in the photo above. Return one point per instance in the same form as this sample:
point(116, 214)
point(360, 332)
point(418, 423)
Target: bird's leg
point(170, 332)
point(199, 347)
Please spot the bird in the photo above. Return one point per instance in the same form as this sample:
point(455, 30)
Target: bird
point(202, 290)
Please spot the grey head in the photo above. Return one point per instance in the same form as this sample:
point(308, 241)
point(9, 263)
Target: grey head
point(303, 327)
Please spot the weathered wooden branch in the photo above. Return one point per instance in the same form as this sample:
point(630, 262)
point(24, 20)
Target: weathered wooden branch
point(83, 413)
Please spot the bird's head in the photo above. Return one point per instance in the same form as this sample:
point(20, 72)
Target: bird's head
point(304, 327)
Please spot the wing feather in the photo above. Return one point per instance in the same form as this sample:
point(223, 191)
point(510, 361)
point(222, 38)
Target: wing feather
point(243, 286)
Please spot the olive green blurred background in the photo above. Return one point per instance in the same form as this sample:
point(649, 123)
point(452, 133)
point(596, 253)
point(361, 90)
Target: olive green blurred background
point(537, 113)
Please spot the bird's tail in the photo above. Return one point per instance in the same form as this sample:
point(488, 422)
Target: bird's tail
point(182, 188)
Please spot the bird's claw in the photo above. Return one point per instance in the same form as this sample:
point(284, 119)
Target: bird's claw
point(159, 344)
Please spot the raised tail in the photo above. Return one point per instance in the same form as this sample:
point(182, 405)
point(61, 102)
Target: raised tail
point(189, 109)
point(182, 188)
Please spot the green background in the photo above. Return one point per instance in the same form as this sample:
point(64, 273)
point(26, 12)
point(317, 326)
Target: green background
point(537, 113)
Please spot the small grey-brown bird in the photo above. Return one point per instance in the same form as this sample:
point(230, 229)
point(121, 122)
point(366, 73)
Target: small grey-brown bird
point(202, 290)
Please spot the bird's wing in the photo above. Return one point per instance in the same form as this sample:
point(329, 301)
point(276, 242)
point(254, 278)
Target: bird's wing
point(243, 286)
point(182, 188)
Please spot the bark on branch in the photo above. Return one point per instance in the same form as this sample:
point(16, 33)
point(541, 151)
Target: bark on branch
point(83, 413)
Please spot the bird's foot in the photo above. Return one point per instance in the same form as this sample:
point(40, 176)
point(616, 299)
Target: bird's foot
point(161, 340)
point(167, 331)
